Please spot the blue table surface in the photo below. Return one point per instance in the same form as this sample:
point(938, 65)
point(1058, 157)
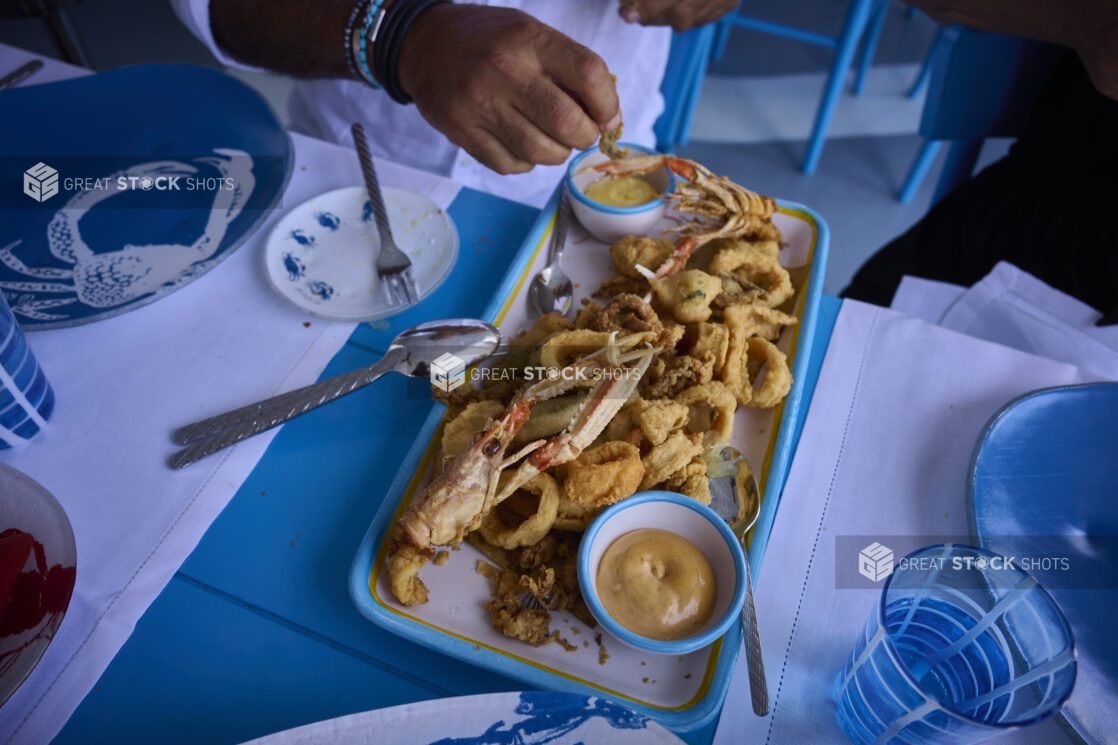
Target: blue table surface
point(256, 633)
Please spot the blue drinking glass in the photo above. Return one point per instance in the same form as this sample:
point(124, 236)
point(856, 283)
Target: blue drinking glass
point(26, 398)
point(962, 646)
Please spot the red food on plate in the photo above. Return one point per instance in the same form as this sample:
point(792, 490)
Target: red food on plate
point(15, 547)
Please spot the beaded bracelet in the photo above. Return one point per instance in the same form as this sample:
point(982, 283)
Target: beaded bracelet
point(360, 36)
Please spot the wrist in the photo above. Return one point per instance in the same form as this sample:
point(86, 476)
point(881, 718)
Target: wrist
point(420, 39)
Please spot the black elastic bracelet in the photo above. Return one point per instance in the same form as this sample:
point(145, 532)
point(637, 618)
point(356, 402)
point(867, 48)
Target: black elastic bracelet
point(398, 20)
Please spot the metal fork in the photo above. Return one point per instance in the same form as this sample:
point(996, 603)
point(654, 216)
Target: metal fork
point(393, 265)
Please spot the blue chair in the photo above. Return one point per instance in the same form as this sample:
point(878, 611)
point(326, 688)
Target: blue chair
point(683, 82)
point(859, 15)
point(983, 86)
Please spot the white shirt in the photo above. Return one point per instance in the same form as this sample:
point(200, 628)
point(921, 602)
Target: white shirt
point(326, 108)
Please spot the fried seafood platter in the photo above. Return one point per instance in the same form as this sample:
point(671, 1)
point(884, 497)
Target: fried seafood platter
point(682, 343)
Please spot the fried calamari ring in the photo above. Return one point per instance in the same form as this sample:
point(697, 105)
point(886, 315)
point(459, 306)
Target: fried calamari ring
point(535, 527)
point(758, 320)
point(603, 475)
point(632, 250)
point(669, 456)
point(688, 294)
point(756, 266)
point(778, 378)
point(734, 373)
point(627, 313)
point(711, 340)
point(573, 516)
point(743, 322)
point(710, 412)
point(565, 347)
point(587, 313)
point(545, 326)
point(459, 432)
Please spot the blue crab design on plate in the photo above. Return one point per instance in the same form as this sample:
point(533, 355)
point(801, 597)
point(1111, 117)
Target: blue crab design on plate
point(92, 253)
point(111, 278)
point(367, 211)
point(328, 220)
point(294, 266)
point(302, 238)
point(551, 717)
point(320, 289)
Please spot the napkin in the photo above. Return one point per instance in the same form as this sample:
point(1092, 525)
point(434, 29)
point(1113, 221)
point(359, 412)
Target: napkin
point(884, 452)
point(123, 385)
point(1012, 307)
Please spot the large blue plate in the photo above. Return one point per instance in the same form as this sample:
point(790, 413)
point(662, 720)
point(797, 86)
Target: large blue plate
point(1044, 484)
point(93, 250)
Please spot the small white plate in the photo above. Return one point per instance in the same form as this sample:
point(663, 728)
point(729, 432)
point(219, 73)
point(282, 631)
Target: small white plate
point(321, 256)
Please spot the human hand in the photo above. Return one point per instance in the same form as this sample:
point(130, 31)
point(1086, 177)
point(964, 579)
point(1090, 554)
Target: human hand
point(509, 90)
point(679, 14)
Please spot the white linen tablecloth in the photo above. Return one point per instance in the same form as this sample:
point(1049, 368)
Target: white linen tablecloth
point(122, 386)
point(885, 451)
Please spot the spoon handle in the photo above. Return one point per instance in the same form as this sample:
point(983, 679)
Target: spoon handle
point(219, 432)
point(559, 237)
point(758, 688)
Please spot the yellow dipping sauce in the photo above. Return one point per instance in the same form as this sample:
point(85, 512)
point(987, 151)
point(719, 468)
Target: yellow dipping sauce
point(624, 191)
point(656, 584)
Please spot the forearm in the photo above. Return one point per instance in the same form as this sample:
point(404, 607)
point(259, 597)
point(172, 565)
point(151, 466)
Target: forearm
point(301, 38)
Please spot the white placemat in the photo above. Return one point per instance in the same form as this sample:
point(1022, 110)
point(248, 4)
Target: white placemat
point(122, 386)
point(884, 451)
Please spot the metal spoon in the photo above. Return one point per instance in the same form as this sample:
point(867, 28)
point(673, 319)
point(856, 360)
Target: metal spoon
point(740, 509)
point(551, 290)
point(450, 346)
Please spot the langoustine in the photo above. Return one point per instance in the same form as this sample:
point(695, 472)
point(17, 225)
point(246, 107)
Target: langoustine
point(723, 209)
point(459, 498)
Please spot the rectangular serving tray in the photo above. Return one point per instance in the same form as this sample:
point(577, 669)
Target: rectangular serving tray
point(682, 692)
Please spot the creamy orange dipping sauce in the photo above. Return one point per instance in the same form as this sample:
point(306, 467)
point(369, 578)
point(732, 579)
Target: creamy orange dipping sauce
point(656, 584)
point(624, 191)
